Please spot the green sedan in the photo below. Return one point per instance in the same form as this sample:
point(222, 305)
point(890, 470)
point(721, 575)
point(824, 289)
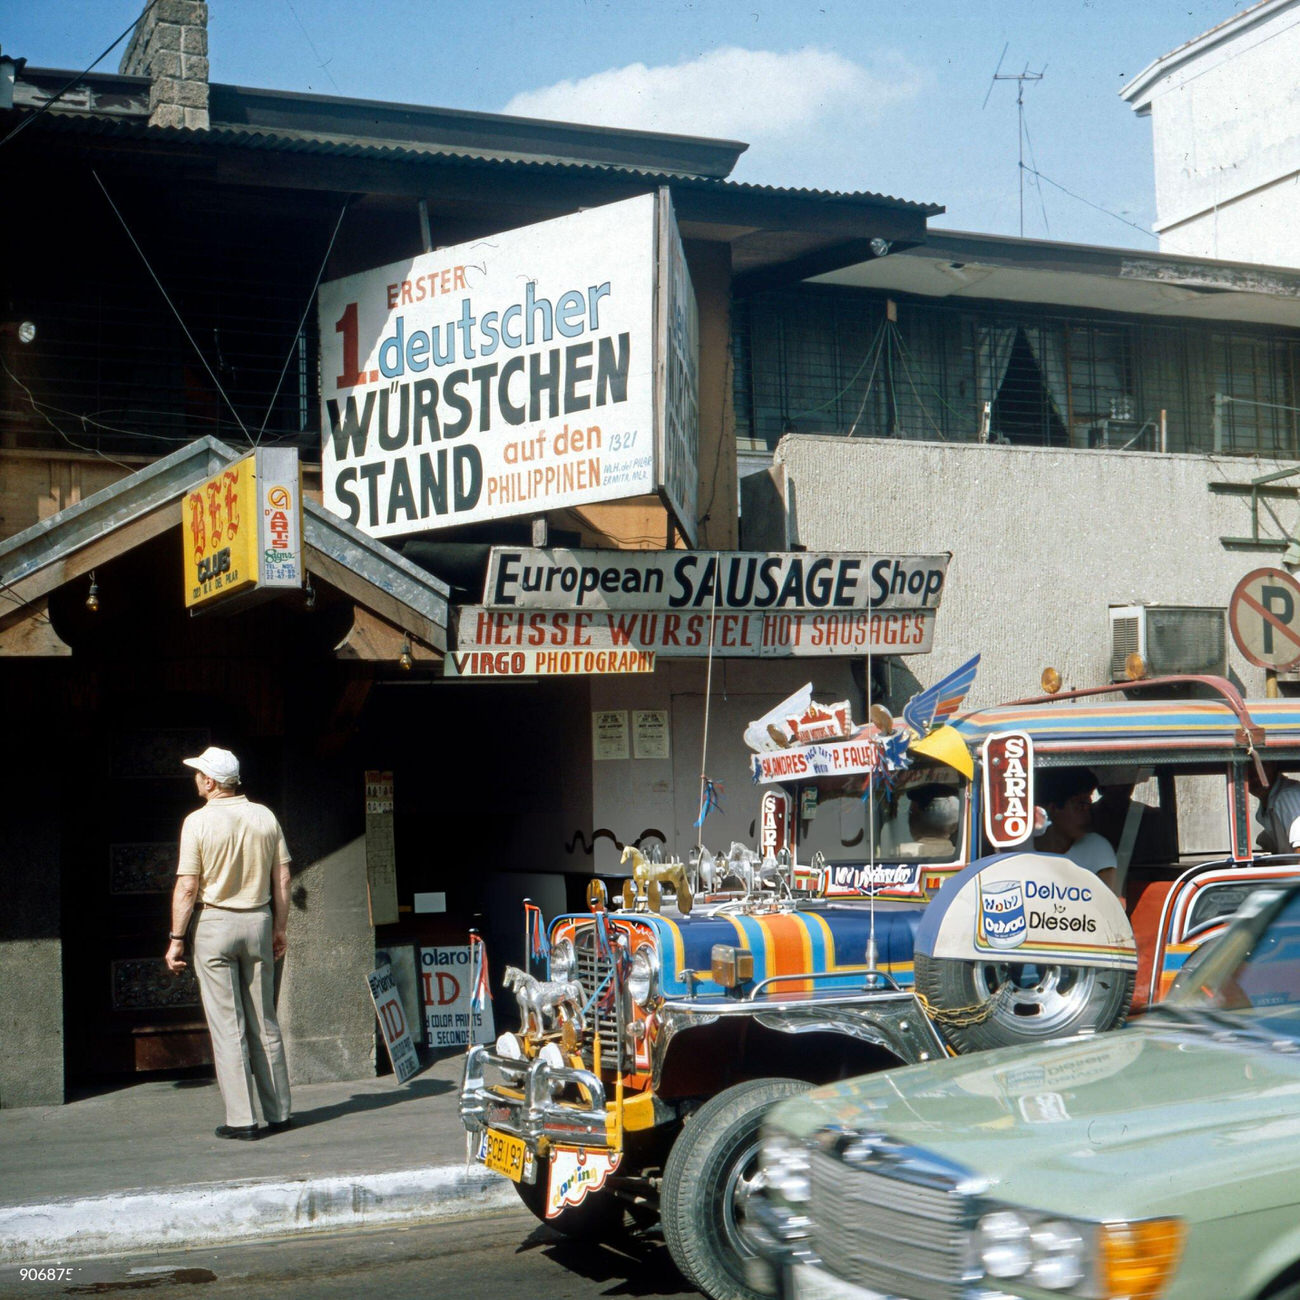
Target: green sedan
point(1162, 1160)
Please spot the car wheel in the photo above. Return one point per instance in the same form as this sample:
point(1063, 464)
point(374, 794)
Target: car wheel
point(1030, 1002)
point(597, 1218)
point(710, 1176)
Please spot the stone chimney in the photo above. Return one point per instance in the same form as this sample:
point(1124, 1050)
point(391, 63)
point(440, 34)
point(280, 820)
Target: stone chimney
point(170, 46)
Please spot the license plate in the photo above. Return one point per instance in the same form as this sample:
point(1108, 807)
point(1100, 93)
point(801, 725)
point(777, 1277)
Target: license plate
point(506, 1154)
point(815, 1284)
point(809, 1283)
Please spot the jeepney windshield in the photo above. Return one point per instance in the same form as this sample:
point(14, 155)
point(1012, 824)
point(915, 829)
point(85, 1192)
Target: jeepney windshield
point(919, 817)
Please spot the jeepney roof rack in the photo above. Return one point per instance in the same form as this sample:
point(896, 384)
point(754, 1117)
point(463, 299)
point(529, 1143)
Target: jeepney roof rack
point(1250, 735)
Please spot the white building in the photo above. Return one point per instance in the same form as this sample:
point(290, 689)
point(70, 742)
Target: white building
point(1225, 118)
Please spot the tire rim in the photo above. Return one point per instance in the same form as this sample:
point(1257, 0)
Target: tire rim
point(743, 1182)
point(1036, 1000)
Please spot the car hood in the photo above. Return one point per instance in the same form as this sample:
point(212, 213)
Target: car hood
point(1128, 1124)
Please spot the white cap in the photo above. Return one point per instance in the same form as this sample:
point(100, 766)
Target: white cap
point(219, 764)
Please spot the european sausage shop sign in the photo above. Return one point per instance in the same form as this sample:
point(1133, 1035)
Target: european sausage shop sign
point(551, 366)
point(557, 612)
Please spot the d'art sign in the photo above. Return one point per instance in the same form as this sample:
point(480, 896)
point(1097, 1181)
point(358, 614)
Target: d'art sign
point(551, 366)
point(242, 530)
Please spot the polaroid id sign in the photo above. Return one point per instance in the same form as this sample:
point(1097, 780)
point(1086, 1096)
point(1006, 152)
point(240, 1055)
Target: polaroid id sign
point(1008, 765)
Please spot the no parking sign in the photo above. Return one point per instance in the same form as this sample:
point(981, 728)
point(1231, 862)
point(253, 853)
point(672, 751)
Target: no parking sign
point(1264, 615)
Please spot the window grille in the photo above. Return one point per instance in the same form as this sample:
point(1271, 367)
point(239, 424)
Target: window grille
point(828, 361)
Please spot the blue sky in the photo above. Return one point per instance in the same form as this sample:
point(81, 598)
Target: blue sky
point(886, 97)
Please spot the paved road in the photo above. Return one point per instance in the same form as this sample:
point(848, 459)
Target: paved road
point(490, 1257)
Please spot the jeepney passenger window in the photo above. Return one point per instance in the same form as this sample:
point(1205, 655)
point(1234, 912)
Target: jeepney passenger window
point(1202, 815)
point(922, 820)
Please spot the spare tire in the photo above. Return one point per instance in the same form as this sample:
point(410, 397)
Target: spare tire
point(999, 1003)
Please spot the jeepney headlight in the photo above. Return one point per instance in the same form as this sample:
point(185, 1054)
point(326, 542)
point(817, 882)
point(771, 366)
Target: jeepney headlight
point(643, 978)
point(1003, 1244)
point(786, 1169)
point(564, 960)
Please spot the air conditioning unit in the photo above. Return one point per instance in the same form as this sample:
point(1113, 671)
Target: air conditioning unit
point(1170, 639)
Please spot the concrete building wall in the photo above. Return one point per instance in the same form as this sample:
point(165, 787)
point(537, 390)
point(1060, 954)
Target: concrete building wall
point(31, 953)
point(1225, 114)
point(325, 1010)
point(1043, 541)
point(1260, 224)
point(632, 796)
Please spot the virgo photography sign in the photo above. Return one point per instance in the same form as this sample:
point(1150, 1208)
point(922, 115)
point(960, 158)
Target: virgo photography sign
point(540, 368)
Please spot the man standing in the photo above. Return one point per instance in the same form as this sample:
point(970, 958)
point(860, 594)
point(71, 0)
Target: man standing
point(234, 860)
point(1279, 808)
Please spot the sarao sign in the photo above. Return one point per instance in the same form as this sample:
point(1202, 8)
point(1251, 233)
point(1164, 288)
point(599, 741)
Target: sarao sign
point(551, 366)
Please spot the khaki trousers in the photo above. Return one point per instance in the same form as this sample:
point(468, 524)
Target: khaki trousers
point(236, 973)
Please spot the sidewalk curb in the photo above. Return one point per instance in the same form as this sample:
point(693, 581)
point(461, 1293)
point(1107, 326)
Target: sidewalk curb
point(223, 1212)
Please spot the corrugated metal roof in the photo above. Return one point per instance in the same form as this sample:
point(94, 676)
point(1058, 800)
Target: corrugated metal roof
point(340, 147)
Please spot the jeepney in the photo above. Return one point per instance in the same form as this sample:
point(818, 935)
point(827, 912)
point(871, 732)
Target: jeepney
point(674, 1016)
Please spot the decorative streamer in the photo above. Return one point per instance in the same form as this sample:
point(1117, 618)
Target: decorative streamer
point(480, 994)
point(534, 929)
point(710, 800)
point(937, 703)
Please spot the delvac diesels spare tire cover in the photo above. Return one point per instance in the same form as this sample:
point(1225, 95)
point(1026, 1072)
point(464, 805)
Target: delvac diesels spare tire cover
point(1021, 947)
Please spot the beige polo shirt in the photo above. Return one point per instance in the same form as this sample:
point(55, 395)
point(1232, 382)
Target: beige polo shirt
point(232, 846)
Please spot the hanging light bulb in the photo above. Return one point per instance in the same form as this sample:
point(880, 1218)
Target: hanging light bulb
point(404, 660)
point(309, 594)
point(92, 596)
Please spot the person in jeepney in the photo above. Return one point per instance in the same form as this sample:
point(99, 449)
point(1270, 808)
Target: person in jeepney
point(934, 812)
point(1137, 831)
point(1067, 795)
point(1279, 808)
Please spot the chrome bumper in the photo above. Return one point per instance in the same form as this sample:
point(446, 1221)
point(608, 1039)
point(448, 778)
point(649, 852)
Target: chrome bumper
point(520, 1098)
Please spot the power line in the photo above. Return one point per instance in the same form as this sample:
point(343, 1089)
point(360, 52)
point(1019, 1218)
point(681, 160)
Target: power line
point(1057, 185)
point(54, 99)
point(167, 299)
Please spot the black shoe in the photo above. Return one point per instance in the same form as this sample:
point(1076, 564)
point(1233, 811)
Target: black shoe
point(279, 1125)
point(242, 1133)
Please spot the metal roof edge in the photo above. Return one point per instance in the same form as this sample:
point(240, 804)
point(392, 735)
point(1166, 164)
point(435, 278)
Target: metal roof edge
point(1052, 254)
point(138, 494)
point(714, 156)
point(252, 137)
point(1138, 91)
point(376, 562)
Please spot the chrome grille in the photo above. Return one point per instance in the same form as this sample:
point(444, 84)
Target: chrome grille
point(889, 1218)
point(592, 974)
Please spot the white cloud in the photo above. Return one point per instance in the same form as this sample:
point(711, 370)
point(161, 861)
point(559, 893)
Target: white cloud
point(759, 96)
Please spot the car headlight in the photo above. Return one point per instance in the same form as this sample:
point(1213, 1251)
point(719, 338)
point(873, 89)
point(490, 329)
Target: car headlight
point(564, 960)
point(785, 1168)
point(643, 977)
point(1058, 1255)
point(1103, 1261)
point(1002, 1241)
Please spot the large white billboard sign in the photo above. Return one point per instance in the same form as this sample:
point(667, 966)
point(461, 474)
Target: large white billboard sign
point(535, 369)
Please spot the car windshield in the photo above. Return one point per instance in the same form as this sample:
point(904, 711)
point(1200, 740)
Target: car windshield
point(1250, 977)
point(919, 818)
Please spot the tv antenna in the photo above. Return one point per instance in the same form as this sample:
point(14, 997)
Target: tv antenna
point(1019, 78)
